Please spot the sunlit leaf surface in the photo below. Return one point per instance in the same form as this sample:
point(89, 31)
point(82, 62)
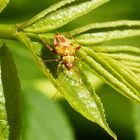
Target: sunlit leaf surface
point(3, 4)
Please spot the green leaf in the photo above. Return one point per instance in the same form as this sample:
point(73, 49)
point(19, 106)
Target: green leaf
point(44, 13)
point(117, 49)
point(44, 119)
point(1, 43)
point(123, 56)
point(130, 63)
point(4, 131)
point(99, 37)
point(12, 93)
point(127, 74)
point(81, 96)
point(134, 69)
point(111, 74)
point(111, 24)
point(36, 49)
point(8, 31)
point(127, 55)
point(64, 16)
point(136, 120)
point(3, 4)
point(3, 118)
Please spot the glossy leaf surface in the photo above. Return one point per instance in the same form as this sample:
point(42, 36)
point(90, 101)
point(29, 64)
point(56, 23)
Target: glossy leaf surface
point(79, 93)
point(64, 16)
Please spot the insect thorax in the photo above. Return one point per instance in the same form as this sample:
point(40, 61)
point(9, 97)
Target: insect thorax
point(65, 50)
point(68, 59)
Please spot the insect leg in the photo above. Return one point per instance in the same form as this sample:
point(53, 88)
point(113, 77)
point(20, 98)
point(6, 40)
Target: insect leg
point(59, 65)
point(78, 48)
point(78, 73)
point(51, 60)
point(50, 48)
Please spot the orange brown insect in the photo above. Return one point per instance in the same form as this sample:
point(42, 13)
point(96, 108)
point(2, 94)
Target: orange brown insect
point(65, 49)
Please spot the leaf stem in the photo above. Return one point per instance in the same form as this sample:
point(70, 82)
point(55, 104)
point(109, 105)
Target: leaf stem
point(8, 31)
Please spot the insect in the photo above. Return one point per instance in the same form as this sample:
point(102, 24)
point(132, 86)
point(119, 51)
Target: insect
point(65, 49)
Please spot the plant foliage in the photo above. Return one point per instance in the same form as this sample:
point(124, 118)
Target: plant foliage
point(118, 66)
point(12, 93)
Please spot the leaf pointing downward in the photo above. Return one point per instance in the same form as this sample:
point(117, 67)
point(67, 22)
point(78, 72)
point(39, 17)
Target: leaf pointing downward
point(12, 93)
point(81, 96)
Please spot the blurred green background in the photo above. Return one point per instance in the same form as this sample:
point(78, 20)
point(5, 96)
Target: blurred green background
point(37, 88)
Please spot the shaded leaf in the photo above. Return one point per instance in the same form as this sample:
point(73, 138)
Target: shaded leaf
point(64, 16)
point(4, 131)
point(44, 118)
point(136, 115)
point(12, 93)
point(80, 95)
point(3, 4)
